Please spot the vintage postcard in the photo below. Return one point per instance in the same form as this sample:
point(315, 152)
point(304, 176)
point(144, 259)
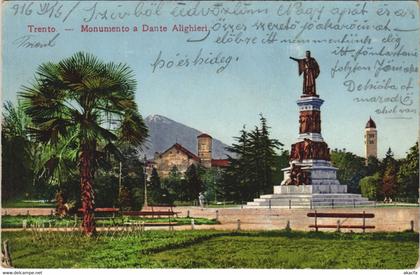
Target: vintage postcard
point(210, 134)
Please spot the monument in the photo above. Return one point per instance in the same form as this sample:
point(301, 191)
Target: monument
point(310, 180)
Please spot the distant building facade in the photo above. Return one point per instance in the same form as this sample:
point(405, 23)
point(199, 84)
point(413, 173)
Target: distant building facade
point(371, 139)
point(182, 158)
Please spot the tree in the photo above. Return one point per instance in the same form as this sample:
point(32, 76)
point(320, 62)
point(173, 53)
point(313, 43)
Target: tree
point(91, 103)
point(17, 168)
point(154, 188)
point(282, 161)
point(268, 156)
point(373, 166)
point(212, 183)
point(389, 180)
point(158, 194)
point(351, 169)
point(237, 180)
point(176, 185)
point(369, 186)
point(408, 175)
point(252, 171)
point(107, 185)
point(195, 185)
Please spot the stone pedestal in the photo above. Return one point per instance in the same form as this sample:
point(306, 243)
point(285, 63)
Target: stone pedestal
point(310, 189)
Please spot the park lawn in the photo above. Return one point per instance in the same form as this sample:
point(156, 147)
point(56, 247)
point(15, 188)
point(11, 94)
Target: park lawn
point(16, 221)
point(218, 249)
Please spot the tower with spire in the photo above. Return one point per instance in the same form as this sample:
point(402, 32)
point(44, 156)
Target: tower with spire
point(371, 139)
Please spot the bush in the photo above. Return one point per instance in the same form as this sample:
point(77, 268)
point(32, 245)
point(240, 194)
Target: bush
point(369, 186)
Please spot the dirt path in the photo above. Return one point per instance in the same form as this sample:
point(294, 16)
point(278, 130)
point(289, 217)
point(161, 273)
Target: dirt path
point(27, 211)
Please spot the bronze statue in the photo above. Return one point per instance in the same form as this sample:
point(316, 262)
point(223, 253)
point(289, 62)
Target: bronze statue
point(308, 126)
point(293, 174)
point(298, 176)
point(301, 152)
point(302, 124)
point(307, 148)
point(310, 70)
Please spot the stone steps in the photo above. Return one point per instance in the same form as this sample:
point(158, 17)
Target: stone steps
point(310, 196)
point(308, 200)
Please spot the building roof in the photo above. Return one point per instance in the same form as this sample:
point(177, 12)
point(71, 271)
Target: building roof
point(220, 163)
point(204, 135)
point(370, 123)
point(183, 150)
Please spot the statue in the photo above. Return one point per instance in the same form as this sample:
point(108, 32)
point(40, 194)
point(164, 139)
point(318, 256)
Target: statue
point(299, 177)
point(308, 124)
point(302, 124)
point(301, 152)
point(294, 175)
point(307, 148)
point(293, 152)
point(310, 70)
point(201, 199)
point(318, 124)
point(317, 151)
point(306, 178)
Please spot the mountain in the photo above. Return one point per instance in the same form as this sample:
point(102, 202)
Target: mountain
point(164, 132)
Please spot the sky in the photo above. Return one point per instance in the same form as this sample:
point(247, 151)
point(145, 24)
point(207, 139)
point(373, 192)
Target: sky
point(262, 80)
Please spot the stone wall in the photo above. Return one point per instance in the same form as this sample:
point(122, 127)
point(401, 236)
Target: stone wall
point(386, 219)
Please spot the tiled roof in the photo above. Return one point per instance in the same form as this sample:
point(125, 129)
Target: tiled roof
point(183, 150)
point(220, 163)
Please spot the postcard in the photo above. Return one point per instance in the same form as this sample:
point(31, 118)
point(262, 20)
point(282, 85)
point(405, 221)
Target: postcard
point(210, 134)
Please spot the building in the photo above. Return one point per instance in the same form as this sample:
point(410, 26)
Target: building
point(371, 139)
point(182, 158)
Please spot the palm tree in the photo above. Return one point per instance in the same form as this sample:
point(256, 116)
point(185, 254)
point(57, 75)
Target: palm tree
point(81, 100)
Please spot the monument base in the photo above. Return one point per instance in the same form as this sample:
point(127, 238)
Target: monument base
point(309, 196)
point(310, 189)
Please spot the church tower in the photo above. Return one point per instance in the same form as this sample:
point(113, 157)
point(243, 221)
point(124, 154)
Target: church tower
point(204, 149)
point(371, 139)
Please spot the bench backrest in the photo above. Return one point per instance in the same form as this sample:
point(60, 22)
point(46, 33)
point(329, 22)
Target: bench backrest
point(103, 210)
point(148, 213)
point(341, 215)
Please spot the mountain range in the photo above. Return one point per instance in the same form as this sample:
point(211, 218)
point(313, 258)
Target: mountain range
point(164, 132)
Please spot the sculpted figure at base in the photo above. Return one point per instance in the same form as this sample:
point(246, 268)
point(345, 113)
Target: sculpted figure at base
point(298, 176)
point(310, 69)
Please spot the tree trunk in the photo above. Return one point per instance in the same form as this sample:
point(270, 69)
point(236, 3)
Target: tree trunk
point(87, 195)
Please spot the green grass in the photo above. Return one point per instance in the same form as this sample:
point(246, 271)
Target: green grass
point(16, 221)
point(217, 249)
point(26, 204)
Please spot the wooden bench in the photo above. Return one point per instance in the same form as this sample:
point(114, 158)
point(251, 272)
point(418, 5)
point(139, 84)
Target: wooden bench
point(161, 207)
point(339, 224)
point(104, 210)
point(155, 212)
